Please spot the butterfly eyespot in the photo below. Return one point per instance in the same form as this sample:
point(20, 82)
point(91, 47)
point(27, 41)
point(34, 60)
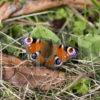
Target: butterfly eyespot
point(71, 51)
point(57, 61)
point(28, 41)
point(35, 55)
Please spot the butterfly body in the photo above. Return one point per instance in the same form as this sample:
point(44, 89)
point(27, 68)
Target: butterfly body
point(47, 53)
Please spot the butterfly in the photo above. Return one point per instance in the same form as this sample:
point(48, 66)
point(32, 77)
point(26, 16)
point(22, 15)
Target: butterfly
point(47, 53)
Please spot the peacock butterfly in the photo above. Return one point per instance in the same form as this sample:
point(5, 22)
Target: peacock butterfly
point(47, 53)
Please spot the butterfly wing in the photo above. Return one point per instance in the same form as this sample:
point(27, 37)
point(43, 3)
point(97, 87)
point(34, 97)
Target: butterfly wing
point(34, 47)
point(47, 53)
point(60, 55)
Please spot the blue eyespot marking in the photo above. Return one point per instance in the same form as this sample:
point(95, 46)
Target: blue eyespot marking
point(57, 62)
point(35, 55)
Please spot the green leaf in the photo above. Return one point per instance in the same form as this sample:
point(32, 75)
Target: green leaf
point(82, 86)
point(79, 27)
point(83, 89)
point(89, 45)
point(61, 13)
point(44, 33)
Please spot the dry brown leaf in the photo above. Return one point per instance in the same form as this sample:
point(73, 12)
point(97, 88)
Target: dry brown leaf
point(9, 60)
point(20, 74)
point(39, 5)
point(36, 77)
point(7, 9)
